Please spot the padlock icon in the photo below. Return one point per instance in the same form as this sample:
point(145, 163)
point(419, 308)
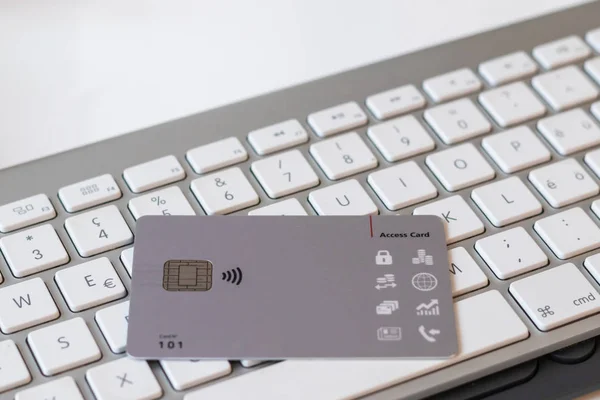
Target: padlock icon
point(383, 257)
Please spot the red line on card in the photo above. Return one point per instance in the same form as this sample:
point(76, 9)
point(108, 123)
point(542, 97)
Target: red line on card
point(371, 224)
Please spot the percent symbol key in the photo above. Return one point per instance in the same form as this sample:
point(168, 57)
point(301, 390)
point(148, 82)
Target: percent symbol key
point(169, 201)
point(158, 201)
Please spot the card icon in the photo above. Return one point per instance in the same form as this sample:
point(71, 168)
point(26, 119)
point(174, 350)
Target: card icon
point(389, 333)
point(387, 307)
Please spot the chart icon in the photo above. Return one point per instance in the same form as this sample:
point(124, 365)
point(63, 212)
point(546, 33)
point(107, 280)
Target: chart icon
point(431, 308)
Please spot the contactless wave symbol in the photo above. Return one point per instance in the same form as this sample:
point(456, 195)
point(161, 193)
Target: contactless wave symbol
point(232, 276)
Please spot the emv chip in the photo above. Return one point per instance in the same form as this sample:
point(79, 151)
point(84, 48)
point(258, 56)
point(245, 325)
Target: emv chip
point(187, 275)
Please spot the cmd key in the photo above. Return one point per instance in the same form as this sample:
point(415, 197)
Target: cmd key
point(555, 297)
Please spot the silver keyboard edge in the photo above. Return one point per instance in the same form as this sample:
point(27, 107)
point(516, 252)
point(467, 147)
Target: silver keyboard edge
point(176, 137)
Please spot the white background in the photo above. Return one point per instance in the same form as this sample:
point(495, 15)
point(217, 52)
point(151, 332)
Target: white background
point(75, 72)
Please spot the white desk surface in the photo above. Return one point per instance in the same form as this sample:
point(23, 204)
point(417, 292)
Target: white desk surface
point(76, 72)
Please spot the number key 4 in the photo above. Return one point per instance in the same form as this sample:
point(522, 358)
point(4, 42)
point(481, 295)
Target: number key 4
point(98, 231)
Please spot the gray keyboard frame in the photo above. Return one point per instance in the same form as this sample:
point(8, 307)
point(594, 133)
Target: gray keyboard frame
point(113, 156)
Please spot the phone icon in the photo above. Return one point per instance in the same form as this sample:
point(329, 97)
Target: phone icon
point(429, 334)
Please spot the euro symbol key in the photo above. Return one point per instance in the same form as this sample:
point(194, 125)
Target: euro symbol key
point(108, 283)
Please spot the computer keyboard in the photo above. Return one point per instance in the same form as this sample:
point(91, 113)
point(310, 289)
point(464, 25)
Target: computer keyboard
point(497, 134)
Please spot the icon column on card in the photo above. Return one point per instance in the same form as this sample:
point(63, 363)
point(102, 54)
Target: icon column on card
point(383, 257)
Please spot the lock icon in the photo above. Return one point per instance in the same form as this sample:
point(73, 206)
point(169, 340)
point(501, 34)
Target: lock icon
point(383, 257)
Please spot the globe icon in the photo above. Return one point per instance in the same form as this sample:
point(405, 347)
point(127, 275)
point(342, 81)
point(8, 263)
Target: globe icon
point(424, 281)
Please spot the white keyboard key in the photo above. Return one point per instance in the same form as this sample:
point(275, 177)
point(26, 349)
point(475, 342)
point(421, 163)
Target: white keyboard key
point(396, 101)
point(460, 221)
point(516, 149)
point(596, 208)
point(400, 138)
point(13, 371)
point(99, 230)
point(127, 259)
point(113, 322)
point(506, 201)
point(343, 156)
point(220, 154)
point(452, 85)
point(63, 346)
point(402, 185)
point(457, 121)
point(570, 131)
point(124, 378)
point(26, 212)
point(466, 276)
point(346, 198)
point(561, 52)
point(596, 109)
point(592, 264)
point(89, 193)
point(250, 363)
point(58, 389)
point(33, 250)
point(569, 233)
point(592, 159)
point(285, 207)
point(284, 174)
point(186, 374)
point(460, 167)
point(278, 137)
point(224, 192)
point(169, 201)
point(556, 297)
point(512, 104)
point(89, 284)
point(593, 38)
point(153, 174)
point(484, 323)
point(592, 67)
point(25, 304)
point(510, 253)
point(337, 119)
point(563, 183)
point(565, 88)
point(508, 68)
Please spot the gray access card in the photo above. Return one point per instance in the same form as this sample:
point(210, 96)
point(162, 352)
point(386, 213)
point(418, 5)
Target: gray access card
point(273, 287)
